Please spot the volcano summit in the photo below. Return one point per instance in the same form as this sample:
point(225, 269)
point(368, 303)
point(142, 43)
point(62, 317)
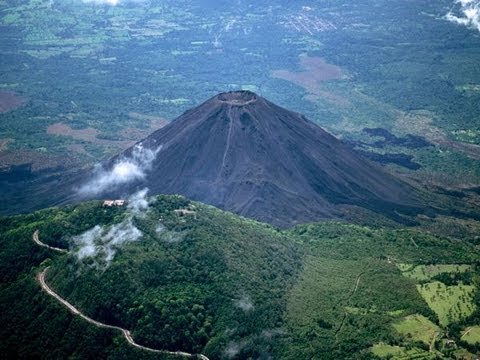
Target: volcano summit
point(244, 154)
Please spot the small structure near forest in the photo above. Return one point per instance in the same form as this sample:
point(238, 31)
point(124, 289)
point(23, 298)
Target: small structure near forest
point(188, 211)
point(111, 203)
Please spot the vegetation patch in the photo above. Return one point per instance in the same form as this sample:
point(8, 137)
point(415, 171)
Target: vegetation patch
point(87, 134)
point(383, 350)
point(471, 335)
point(427, 272)
point(10, 101)
point(418, 328)
point(358, 311)
point(467, 135)
point(450, 303)
point(316, 71)
point(464, 355)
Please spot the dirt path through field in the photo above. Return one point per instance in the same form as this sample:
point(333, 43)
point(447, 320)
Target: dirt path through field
point(432, 343)
point(345, 314)
point(466, 332)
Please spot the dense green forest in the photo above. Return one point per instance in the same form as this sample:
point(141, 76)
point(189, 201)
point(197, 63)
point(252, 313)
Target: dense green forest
point(210, 282)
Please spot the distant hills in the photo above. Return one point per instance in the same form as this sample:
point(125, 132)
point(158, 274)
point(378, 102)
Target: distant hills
point(242, 153)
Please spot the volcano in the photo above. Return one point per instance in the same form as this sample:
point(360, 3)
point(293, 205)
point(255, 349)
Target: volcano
point(242, 153)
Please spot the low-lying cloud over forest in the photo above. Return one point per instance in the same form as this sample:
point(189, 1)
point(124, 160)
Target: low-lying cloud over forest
point(101, 243)
point(124, 170)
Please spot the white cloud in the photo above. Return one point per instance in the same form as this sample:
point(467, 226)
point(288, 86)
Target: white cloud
point(125, 170)
point(86, 242)
point(232, 349)
point(138, 203)
point(160, 228)
point(102, 2)
point(170, 236)
point(113, 2)
point(244, 303)
point(118, 235)
point(468, 14)
point(101, 243)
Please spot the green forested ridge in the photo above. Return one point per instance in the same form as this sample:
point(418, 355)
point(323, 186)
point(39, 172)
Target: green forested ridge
point(34, 325)
point(228, 287)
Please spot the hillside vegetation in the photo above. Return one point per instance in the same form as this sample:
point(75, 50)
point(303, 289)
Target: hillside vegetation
point(186, 276)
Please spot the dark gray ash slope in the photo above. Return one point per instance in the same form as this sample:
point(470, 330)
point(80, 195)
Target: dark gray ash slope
point(244, 154)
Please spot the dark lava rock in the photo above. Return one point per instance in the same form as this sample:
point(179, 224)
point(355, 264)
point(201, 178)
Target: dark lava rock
point(399, 159)
point(409, 141)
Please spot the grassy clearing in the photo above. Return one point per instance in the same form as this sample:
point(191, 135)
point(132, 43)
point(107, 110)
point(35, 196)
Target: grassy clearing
point(464, 355)
point(383, 350)
point(358, 311)
point(426, 272)
point(471, 335)
point(418, 328)
point(450, 303)
point(396, 313)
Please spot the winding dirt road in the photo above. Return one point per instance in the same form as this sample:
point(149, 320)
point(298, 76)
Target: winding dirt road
point(432, 343)
point(37, 241)
point(126, 333)
point(356, 285)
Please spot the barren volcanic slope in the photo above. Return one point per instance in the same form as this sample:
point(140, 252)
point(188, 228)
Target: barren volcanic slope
point(242, 153)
